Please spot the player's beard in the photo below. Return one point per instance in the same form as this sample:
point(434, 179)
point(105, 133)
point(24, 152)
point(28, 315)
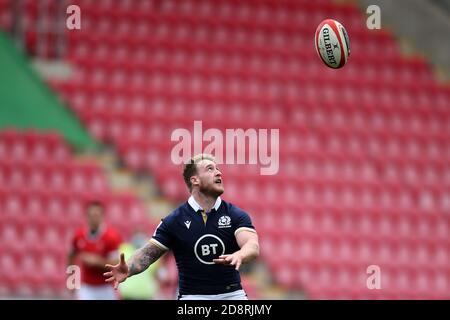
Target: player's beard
point(212, 190)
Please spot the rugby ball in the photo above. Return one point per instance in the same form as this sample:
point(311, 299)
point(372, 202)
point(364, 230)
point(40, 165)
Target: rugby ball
point(332, 43)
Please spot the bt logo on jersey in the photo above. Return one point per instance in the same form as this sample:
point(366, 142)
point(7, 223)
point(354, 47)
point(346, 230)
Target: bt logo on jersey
point(209, 247)
point(206, 249)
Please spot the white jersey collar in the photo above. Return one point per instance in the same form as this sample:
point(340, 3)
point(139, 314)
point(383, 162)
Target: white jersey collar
point(194, 204)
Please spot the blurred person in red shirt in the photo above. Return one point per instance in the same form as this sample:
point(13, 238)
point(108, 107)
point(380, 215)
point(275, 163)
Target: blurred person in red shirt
point(93, 246)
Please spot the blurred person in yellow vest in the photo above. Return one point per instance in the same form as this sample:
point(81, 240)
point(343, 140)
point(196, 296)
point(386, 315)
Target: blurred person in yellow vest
point(167, 277)
point(144, 286)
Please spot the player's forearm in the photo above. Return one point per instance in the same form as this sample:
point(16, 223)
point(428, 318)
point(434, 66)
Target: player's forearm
point(71, 258)
point(143, 258)
point(111, 261)
point(249, 251)
point(100, 262)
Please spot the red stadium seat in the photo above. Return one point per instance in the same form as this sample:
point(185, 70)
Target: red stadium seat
point(42, 205)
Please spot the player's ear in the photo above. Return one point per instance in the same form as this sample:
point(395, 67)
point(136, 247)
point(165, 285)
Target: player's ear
point(195, 181)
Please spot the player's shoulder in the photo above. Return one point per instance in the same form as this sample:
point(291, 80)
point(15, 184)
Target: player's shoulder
point(177, 213)
point(233, 210)
point(111, 232)
point(80, 232)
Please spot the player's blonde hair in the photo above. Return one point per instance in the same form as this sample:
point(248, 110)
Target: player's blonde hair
point(190, 167)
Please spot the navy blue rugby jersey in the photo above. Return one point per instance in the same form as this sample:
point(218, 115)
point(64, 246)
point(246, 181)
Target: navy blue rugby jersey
point(196, 239)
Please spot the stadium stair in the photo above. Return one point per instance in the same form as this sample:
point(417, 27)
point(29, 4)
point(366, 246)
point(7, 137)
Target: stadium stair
point(44, 190)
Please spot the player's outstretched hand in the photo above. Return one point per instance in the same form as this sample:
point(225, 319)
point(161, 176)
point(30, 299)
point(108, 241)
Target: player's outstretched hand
point(117, 273)
point(234, 259)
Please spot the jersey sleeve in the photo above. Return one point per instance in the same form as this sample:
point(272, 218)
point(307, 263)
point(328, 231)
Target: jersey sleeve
point(163, 237)
point(244, 222)
point(112, 246)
